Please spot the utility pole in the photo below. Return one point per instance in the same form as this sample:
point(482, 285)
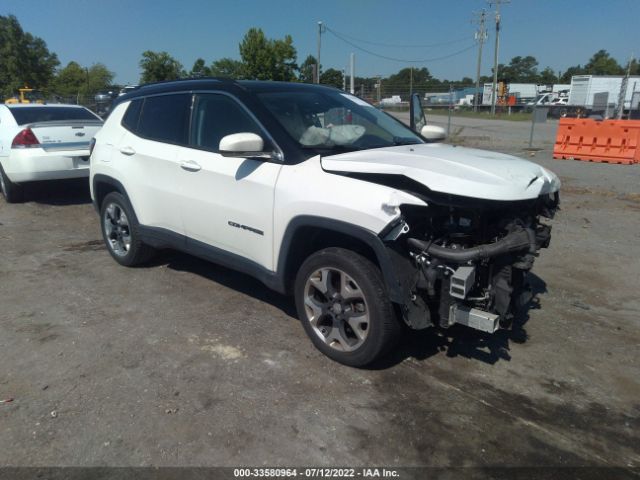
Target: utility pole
point(379, 85)
point(494, 95)
point(411, 83)
point(450, 109)
point(481, 36)
point(319, 45)
point(352, 84)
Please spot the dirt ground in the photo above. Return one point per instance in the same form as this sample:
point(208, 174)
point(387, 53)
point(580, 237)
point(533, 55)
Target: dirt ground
point(184, 363)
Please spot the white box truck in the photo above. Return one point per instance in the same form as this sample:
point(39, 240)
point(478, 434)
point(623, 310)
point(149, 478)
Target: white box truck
point(524, 92)
point(585, 89)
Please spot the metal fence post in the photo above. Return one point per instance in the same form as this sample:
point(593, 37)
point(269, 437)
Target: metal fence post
point(539, 115)
point(450, 108)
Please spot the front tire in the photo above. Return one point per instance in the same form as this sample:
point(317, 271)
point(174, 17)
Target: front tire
point(344, 307)
point(120, 231)
point(12, 191)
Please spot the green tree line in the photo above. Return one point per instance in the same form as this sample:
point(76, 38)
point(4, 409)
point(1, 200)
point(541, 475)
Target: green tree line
point(26, 60)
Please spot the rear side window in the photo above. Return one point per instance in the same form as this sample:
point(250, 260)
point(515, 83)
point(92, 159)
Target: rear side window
point(216, 116)
point(25, 115)
point(165, 118)
point(132, 115)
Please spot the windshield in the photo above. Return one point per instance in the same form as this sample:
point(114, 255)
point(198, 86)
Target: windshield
point(34, 96)
point(325, 120)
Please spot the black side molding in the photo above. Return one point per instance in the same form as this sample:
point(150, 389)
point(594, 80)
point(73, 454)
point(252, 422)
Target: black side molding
point(163, 238)
point(100, 179)
point(368, 237)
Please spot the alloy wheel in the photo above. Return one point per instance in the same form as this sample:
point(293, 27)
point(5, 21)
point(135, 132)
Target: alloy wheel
point(336, 308)
point(116, 229)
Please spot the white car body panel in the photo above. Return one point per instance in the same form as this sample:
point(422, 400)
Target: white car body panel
point(61, 135)
point(34, 164)
point(305, 189)
point(149, 175)
point(454, 170)
point(63, 151)
point(228, 202)
point(153, 169)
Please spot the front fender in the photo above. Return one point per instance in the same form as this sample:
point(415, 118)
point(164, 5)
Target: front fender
point(368, 237)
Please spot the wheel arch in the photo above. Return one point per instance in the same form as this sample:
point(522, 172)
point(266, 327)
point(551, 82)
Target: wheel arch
point(308, 234)
point(102, 185)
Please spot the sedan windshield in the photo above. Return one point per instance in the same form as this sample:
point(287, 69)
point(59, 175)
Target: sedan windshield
point(336, 121)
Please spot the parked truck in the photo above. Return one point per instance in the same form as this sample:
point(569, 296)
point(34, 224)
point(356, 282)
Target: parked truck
point(599, 94)
point(518, 93)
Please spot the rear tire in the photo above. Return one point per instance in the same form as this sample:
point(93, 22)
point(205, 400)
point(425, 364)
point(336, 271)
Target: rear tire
point(12, 191)
point(121, 232)
point(344, 307)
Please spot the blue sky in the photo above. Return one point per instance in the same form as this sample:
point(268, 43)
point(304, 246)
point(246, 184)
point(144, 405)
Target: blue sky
point(559, 33)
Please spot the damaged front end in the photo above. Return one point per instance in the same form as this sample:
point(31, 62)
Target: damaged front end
point(464, 260)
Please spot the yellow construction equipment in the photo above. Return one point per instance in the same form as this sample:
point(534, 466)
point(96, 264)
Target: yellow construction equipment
point(26, 95)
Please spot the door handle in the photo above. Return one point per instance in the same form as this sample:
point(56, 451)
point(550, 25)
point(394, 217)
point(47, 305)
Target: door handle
point(127, 151)
point(190, 166)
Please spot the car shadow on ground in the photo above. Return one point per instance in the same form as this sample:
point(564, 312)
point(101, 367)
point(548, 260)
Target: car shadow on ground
point(60, 192)
point(419, 345)
point(232, 279)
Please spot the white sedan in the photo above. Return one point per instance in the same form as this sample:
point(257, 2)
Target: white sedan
point(43, 142)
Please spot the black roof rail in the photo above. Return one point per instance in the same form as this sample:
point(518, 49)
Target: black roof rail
point(225, 80)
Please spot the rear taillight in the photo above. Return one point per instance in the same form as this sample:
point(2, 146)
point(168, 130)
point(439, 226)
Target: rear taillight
point(25, 139)
point(91, 145)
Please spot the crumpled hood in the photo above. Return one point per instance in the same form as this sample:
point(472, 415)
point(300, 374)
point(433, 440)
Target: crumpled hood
point(467, 172)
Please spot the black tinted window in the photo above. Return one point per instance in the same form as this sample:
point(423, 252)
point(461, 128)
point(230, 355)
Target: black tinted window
point(165, 118)
point(217, 116)
point(24, 115)
point(132, 115)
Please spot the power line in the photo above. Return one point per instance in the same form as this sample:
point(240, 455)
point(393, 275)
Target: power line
point(392, 45)
point(340, 37)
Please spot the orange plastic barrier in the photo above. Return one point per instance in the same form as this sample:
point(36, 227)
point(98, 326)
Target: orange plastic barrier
point(610, 141)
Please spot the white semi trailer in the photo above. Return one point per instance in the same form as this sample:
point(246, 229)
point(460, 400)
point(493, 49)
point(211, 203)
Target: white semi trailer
point(590, 92)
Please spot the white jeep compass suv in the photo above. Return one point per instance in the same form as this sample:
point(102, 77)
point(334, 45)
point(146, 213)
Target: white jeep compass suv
point(368, 223)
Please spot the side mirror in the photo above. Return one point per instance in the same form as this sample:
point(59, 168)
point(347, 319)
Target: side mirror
point(245, 145)
point(433, 133)
point(241, 143)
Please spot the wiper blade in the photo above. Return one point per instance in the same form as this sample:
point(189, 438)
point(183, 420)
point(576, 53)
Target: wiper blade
point(346, 148)
point(405, 141)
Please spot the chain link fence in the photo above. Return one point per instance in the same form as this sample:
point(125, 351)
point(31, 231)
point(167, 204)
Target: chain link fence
point(454, 98)
point(99, 104)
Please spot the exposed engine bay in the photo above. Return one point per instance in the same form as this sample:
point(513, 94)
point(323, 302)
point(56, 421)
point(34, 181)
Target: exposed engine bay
point(466, 260)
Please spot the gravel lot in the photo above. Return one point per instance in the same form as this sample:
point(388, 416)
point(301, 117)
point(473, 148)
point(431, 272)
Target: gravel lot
point(184, 363)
